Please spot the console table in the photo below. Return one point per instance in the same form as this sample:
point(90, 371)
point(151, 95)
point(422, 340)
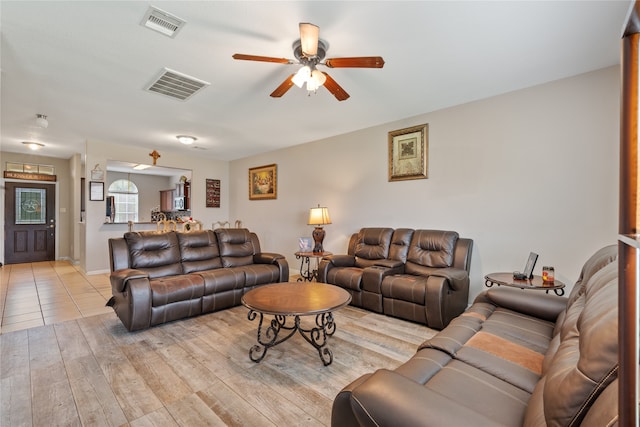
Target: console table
point(506, 279)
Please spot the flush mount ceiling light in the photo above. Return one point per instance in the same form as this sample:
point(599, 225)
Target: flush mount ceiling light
point(33, 145)
point(186, 139)
point(41, 121)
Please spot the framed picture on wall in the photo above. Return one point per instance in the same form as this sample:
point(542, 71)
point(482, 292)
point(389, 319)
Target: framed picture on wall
point(408, 153)
point(212, 193)
point(263, 182)
point(96, 190)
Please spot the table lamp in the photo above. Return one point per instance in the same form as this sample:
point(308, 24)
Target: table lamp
point(318, 216)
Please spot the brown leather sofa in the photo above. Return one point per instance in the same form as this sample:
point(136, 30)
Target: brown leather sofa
point(160, 277)
point(417, 275)
point(514, 358)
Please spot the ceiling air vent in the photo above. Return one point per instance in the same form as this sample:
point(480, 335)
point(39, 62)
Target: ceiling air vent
point(162, 22)
point(176, 85)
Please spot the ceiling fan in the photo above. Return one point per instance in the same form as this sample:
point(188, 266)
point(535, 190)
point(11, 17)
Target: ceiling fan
point(310, 51)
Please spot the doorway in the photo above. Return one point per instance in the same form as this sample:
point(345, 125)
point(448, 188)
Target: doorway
point(29, 222)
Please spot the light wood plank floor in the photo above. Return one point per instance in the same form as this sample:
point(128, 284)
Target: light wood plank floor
point(192, 372)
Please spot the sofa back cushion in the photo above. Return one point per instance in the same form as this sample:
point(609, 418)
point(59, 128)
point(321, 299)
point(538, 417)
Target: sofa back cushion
point(400, 241)
point(586, 360)
point(432, 248)
point(594, 264)
point(157, 254)
point(372, 244)
point(236, 246)
point(199, 251)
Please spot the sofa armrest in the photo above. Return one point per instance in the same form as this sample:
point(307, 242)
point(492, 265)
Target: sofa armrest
point(330, 261)
point(276, 259)
point(266, 258)
point(447, 295)
point(120, 278)
point(341, 260)
point(387, 398)
point(530, 302)
point(458, 279)
point(131, 300)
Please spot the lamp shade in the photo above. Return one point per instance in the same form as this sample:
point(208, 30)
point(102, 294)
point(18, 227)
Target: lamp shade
point(319, 216)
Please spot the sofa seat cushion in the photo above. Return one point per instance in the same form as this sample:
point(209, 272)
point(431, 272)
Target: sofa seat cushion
point(258, 274)
point(221, 280)
point(171, 289)
point(520, 329)
point(452, 393)
point(405, 287)
point(346, 277)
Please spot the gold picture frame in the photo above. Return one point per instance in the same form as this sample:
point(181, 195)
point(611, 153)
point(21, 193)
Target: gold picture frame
point(408, 153)
point(263, 182)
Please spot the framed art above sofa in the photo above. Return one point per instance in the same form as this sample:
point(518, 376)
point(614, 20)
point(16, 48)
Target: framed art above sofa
point(408, 153)
point(263, 182)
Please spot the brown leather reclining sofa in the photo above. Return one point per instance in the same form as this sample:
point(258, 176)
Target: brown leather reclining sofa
point(417, 275)
point(514, 358)
point(160, 277)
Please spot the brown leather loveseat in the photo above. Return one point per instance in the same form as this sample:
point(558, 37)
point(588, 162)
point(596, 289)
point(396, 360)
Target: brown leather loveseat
point(160, 277)
point(514, 358)
point(417, 275)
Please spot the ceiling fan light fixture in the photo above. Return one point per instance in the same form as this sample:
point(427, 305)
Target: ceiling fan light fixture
point(186, 139)
point(318, 77)
point(302, 76)
point(309, 35)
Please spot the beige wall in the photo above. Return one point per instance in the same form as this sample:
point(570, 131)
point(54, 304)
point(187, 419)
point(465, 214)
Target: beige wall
point(95, 256)
point(532, 170)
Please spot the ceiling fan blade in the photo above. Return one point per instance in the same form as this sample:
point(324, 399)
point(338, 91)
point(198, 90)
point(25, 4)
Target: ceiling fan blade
point(283, 88)
point(309, 35)
point(335, 88)
point(357, 62)
point(262, 58)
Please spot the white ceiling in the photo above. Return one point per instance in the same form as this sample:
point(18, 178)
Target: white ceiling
point(85, 65)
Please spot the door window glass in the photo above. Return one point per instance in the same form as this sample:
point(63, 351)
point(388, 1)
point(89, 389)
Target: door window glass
point(31, 206)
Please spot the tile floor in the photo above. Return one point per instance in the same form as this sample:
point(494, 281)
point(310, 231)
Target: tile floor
point(42, 293)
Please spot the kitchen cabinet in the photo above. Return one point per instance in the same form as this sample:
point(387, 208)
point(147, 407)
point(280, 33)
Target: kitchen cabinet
point(166, 200)
point(187, 195)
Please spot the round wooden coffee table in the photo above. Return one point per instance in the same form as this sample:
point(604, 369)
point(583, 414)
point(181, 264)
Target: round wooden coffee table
point(292, 300)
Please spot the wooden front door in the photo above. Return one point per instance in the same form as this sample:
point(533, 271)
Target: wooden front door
point(29, 222)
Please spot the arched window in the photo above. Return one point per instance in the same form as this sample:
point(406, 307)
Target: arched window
point(125, 195)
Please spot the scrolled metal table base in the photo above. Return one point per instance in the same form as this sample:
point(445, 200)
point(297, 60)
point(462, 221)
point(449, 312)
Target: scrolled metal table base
point(316, 336)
